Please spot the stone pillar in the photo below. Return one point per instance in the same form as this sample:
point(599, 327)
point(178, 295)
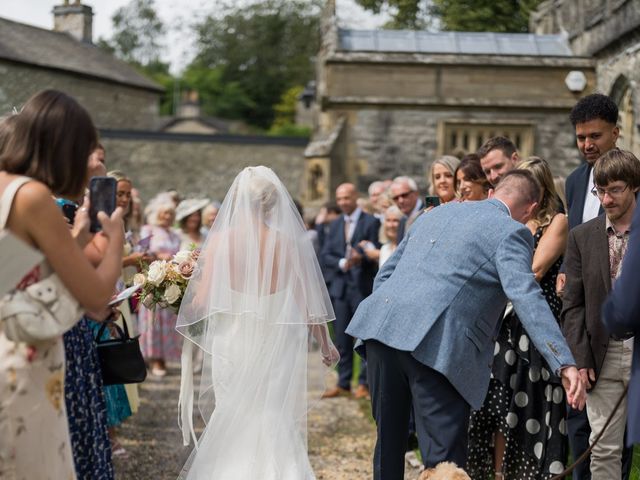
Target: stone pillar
point(75, 19)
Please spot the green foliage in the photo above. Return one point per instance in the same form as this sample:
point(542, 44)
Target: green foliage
point(457, 15)
point(484, 15)
point(405, 14)
point(285, 115)
point(259, 51)
point(217, 98)
point(137, 33)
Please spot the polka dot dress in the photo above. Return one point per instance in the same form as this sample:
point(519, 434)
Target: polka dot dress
point(525, 402)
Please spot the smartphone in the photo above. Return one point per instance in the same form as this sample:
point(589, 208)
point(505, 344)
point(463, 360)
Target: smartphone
point(431, 202)
point(68, 208)
point(102, 198)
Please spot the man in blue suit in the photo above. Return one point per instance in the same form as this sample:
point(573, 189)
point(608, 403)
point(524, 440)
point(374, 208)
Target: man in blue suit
point(621, 315)
point(349, 275)
point(429, 327)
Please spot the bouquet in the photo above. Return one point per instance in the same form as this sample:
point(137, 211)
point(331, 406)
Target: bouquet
point(163, 283)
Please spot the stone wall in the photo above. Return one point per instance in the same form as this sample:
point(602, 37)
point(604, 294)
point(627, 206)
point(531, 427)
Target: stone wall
point(391, 142)
point(111, 105)
point(200, 165)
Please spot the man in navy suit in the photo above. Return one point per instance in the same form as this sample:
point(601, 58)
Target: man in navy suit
point(621, 315)
point(349, 275)
point(595, 119)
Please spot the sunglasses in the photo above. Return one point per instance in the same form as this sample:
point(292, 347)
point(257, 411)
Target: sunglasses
point(401, 195)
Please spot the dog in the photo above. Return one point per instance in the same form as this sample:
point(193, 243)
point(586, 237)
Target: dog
point(444, 471)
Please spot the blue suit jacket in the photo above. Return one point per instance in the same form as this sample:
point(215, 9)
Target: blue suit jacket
point(333, 249)
point(621, 314)
point(575, 191)
point(442, 293)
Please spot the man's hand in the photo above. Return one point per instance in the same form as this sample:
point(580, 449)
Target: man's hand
point(354, 259)
point(588, 377)
point(575, 387)
point(560, 283)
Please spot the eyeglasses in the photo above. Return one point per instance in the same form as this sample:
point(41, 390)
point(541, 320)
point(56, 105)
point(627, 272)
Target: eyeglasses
point(401, 195)
point(612, 192)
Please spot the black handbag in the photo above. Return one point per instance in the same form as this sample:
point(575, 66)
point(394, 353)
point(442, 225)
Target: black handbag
point(120, 358)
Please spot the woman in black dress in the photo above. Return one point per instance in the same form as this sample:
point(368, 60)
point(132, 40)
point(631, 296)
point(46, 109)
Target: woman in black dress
point(520, 431)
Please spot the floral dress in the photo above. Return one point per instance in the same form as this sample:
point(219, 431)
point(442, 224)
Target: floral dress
point(34, 435)
point(158, 336)
point(525, 402)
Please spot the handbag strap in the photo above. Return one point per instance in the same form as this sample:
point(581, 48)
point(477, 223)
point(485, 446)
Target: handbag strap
point(7, 198)
point(123, 332)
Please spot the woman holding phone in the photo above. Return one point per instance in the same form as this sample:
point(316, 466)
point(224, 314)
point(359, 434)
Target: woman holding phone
point(45, 156)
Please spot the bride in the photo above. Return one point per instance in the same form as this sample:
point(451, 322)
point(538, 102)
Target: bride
point(256, 306)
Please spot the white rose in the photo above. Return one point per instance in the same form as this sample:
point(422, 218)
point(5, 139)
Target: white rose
point(157, 272)
point(182, 256)
point(139, 279)
point(172, 294)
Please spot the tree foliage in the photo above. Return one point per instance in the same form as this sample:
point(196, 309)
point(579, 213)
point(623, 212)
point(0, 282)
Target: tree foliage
point(137, 33)
point(405, 14)
point(259, 50)
point(484, 15)
point(457, 15)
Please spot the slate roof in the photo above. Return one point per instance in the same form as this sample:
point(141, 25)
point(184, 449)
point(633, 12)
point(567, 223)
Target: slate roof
point(56, 50)
point(480, 43)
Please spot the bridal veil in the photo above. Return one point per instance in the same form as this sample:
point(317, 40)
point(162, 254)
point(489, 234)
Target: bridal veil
point(258, 307)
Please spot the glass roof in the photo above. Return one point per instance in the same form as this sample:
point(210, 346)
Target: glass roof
point(486, 43)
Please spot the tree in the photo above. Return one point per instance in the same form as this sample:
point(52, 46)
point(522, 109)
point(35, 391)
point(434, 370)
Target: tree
point(138, 32)
point(405, 14)
point(261, 50)
point(457, 15)
point(484, 15)
point(285, 115)
point(217, 98)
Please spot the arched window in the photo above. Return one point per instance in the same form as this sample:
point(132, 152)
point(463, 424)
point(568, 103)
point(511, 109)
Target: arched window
point(622, 94)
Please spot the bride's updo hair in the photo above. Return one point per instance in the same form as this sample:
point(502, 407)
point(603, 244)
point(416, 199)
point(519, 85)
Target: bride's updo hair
point(262, 191)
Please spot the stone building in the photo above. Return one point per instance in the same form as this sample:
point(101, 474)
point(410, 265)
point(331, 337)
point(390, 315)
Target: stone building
point(609, 32)
point(196, 155)
point(393, 101)
point(33, 59)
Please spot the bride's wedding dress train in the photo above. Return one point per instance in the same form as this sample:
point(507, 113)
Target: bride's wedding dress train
point(258, 369)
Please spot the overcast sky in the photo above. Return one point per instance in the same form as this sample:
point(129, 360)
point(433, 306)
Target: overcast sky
point(176, 14)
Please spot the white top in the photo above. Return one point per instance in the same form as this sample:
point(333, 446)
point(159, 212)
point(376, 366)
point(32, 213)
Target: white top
point(591, 202)
point(385, 252)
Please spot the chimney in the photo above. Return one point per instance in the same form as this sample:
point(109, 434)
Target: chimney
point(75, 19)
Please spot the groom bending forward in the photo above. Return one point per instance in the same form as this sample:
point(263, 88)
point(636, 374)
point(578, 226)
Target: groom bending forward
point(429, 326)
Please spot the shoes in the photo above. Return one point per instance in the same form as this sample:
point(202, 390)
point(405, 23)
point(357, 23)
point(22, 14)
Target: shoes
point(361, 392)
point(336, 392)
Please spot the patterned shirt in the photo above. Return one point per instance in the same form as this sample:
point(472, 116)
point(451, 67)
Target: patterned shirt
point(617, 249)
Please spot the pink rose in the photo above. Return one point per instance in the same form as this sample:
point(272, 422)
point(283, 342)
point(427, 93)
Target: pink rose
point(186, 269)
point(195, 254)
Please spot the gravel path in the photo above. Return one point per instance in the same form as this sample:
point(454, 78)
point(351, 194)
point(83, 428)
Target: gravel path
point(341, 436)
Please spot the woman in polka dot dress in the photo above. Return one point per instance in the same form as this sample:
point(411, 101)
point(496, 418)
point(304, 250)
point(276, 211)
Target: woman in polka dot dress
point(520, 431)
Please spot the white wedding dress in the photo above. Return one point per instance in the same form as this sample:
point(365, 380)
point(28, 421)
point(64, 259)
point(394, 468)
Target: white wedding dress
point(255, 386)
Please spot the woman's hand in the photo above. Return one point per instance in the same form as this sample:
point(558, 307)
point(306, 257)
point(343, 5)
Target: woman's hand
point(80, 228)
point(112, 227)
point(330, 355)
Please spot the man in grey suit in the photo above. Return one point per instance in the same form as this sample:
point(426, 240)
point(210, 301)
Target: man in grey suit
point(428, 328)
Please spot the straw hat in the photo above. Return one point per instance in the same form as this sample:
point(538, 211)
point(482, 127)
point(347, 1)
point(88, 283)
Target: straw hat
point(189, 206)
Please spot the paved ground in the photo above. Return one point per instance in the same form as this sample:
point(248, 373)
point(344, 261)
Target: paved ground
point(341, 437)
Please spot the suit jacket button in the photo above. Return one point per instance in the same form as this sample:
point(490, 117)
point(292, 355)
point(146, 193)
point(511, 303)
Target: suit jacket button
point(432, 241)
point(386, 300)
